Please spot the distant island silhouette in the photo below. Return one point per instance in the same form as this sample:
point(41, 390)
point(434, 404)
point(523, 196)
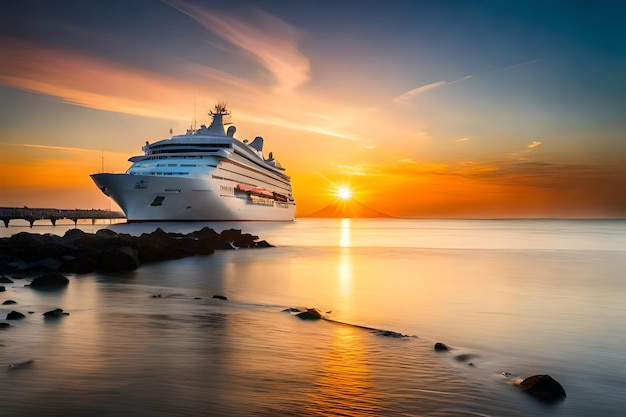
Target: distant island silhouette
point(347, 209)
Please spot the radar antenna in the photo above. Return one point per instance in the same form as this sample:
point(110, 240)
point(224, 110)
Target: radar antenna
point(220, 108)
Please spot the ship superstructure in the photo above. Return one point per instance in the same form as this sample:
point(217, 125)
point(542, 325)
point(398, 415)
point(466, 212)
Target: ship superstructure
point(204, 175)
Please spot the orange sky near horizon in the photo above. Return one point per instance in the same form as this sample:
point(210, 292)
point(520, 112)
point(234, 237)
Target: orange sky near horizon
point(436, 136)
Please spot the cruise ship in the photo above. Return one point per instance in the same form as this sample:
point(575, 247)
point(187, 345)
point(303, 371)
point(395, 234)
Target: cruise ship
point(203, 175)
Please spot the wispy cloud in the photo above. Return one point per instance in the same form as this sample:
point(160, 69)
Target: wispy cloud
point(521, 64)
point(87, 81)
point(65, 149)
point(462, 140)
point(271, 41)
point(534, 144)
point(90, 82)
point(427, 87)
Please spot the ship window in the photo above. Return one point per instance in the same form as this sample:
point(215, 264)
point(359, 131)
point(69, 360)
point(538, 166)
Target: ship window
point(158, 201)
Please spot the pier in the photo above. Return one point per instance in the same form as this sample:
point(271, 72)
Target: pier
point(32, 214)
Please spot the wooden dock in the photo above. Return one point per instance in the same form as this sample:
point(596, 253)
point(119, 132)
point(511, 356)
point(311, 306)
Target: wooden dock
point(32, 214)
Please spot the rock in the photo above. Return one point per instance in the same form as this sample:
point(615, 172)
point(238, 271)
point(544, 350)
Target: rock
point(310, 314)
point(543, 387)
point(5, 280)
point(221, 297)
point(441, 347)
point(7, 302)
point(390, 333)
point(26, 254)
point(15, 315)
point(465, 357)
point(22, 364)
point(52, 280)
point(4, 325)
point(50, 264)
point(58, 312)
point(123, 258)
point(2, 288)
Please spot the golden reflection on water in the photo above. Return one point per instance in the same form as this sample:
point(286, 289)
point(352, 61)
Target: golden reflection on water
point(345, 234)
point(344, 384)
point(344, 272)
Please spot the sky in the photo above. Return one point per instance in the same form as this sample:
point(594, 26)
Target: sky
point(425, 109)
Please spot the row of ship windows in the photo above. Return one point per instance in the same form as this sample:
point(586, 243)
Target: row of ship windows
point(276, 182)
point(170, 174)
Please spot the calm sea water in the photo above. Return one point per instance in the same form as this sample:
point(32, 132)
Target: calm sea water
point(521, 296)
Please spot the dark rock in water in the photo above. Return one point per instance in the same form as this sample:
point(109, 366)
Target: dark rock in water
point(291, 310)
point(49, 264)
point(15, 315)
point(221, 297)
point(21, 364)
point(2, 288)
point(465, 357)
point(5, 280)
point(57, 312)
point(389, 333)
point(441, 347)
point(26, 254)
point(123, 258)
point(310, 314)
point(7, 302)
point(543, 387)
point(4, 325)
point(52, 280)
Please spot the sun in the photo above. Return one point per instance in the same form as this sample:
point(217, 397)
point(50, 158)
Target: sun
point(344, 193)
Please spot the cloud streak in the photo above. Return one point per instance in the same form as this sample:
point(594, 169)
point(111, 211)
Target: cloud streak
point(268, 39)
point(90, 82)
point(427, 87)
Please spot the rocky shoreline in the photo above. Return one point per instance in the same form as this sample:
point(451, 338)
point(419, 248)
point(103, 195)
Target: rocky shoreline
point(26, 255)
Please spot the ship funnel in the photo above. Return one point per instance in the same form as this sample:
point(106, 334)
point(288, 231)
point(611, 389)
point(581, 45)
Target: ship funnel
point(257, 143)
point(231, 131)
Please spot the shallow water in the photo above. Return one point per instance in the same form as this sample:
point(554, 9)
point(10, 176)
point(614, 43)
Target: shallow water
point(521, 296)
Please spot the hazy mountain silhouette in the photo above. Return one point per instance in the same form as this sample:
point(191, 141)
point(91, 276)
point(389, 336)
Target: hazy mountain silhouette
point(347, 209)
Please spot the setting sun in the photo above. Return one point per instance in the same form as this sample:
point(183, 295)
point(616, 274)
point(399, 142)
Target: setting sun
point(344, 193)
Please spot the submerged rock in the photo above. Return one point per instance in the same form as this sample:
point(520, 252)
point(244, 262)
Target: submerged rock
point(52, 280)
point(8, 302)
point(220, 297)
point(441, 347)
point(15, 315)
point(5, 280)
point(465, 357)
point(543, 387)
point(57, 312)
point(310, 314)
point(22, 364)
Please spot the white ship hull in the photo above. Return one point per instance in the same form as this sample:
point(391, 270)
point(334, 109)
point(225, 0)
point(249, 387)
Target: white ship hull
point(186, 199)
point(204, 175)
